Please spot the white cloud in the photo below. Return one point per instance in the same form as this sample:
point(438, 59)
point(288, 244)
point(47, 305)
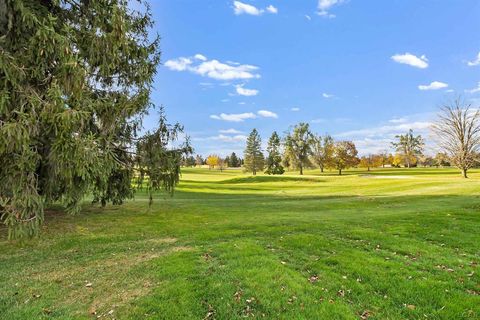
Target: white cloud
point(325, 5)
point(474, 90)
point(221, 71)
point(245, 92)
point(242, 102)
point(225, 100)
point(308, 17)
point(201, 57)
point(435, 85)
point(179, 64)
point(267, 114)
point(295, 109)
point(272, 9)
point(243, 8)
point(475, 62)
point(387, 129)
point(234, 117)
point(318, 120)
point(213, 68)
point(327, 95)
point(230, 131)
point(225, 138)
point(411, 60)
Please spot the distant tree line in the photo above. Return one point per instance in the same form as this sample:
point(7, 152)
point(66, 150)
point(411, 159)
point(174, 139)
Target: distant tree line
point(457, 132)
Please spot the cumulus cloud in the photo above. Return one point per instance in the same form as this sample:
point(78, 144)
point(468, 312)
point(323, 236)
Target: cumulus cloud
point(475, 62)
point(213, 68)
point(272, 9)
point(240, 117)
point(325, 5)
point(245, 8)
point(267, 114)
point(411, 60)
point(327, 95)
point(230, 131)
point(225, 138)
point(234, 117)
point(201, 57)
point(245, 92)
point(474, 90)
point(179, 64)
point(435, 85)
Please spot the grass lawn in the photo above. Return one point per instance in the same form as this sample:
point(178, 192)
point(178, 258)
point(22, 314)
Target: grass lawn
point(388, 244)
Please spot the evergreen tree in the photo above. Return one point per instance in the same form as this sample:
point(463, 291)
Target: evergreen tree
point(253, 156)
point(75, 80)
point(274, 159)
point(233, 161)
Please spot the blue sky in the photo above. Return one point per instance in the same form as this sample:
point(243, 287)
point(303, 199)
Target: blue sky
point(358, 70)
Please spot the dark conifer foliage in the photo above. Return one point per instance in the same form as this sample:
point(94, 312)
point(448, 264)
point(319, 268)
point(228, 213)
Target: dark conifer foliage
point(75, 81)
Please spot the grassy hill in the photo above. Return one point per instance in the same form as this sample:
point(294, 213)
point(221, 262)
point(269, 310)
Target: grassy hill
point(385, 244)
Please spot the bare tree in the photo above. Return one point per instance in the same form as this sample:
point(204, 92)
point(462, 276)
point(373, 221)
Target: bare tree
point(458, 134)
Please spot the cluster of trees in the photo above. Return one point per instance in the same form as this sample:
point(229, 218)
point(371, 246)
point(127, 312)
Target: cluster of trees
point(298, 150)
point(457, 132)
point(213, 161)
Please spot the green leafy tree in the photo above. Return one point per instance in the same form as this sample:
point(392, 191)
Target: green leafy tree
point(75, 81)
point(322, 151)
point(274, 159)
point(441, 160)
point(409, 147)
point(253, 156)
point(298, 146)
point(345, 155)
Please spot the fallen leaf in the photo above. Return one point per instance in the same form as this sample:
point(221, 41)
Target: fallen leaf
point(238, 295)
point(365, 314)
point(411, 306)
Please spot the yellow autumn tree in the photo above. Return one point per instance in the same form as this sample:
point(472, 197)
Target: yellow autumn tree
point(212, 161)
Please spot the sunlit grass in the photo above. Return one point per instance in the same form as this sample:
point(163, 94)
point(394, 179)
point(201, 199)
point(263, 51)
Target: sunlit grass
point(385, 244)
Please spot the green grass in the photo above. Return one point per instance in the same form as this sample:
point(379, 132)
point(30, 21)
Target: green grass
point(386, 244)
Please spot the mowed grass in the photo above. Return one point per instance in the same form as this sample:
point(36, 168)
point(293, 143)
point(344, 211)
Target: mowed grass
point(386, 244)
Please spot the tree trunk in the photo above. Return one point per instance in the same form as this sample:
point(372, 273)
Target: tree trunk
point(339, 172)
point(464, 173)
point(321, 169)
point(301, 170)
point(368, 169)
